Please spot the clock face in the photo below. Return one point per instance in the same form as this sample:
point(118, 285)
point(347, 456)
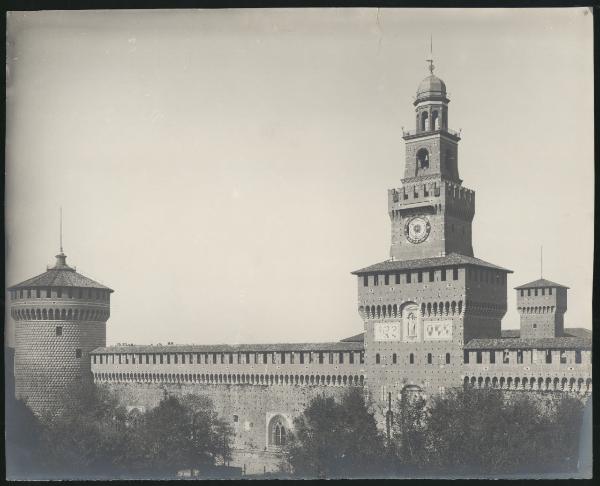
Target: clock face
point(417, 229)
point(387, 331)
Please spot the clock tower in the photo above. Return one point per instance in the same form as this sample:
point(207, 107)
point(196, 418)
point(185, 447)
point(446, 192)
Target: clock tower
point(432, 212)
point(432, 296)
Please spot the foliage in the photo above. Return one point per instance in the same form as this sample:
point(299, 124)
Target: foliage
point(92, 436)
point(485, 432)
point(334, 439)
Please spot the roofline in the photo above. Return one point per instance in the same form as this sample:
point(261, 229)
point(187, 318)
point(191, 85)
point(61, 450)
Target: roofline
point(230, 348)
point(462, 264)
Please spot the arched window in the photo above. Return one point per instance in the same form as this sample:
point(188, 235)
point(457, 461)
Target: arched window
point(435, 120)
point(412, 358)
point(278, 431)
point(424, 121)
point(447, 358)
point(423, 159)
point(429, 358)
point(377, 358)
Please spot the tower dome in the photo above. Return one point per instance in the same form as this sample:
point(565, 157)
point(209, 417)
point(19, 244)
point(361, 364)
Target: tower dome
point(431, 88)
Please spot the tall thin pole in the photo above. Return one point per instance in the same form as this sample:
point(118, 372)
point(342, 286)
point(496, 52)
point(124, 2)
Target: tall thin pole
point(61, 243)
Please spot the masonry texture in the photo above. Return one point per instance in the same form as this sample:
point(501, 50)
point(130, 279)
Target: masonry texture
point(432, 318)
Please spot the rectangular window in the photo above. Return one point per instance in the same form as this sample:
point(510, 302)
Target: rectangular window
point(58, 293)
point(168, 359)
point(397, 278)
point(230, 358)
point(301, 358)
point(536, 290)
point(351, 357)
point(264, 358)
point(38, 293)
point(466, 357)
point(176, 360)
point(153, 359)
point(282, 358)
point(366, 281)
point(386, 279)
point(431, 275)
point(362, 357)
point(214, 358)
point(479, 357)
point(492, 357)
point(519, 356)
point(543, 291)
point(94, 359)
point(550, 291)
point(443, 274)
point(577, 356)
point(506, 356)
point(420, 277)
point(59, 330)
point(455, 274)
point(183, 359)
point(522, 293)
point(528, 292)
point(408, 277)
point(563, 357)
point(311, 357)
point(375, 279)
point(330, 357)
point(161, 359)
point(247, 358)
point(341, 358)
point(222, 358)
point(548, 356)
point(320, 358)
point(292, 354)
point(78, 353)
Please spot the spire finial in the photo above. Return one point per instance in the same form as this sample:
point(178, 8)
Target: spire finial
point(61, 246)
point(430, 60)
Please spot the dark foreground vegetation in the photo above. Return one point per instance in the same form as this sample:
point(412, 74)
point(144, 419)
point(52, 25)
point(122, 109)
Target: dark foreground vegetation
point(466, 432)
point(94, 437)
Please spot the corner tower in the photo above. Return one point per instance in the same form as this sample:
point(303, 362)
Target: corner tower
point(432, 212)
point(60, 317)
point(542, 305)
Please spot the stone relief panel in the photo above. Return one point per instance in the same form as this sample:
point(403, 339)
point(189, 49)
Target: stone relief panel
point(438, 330)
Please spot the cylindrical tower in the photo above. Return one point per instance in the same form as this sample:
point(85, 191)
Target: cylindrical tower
point(60, 317)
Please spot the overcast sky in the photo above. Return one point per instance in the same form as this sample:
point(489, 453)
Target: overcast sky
point(224, 171)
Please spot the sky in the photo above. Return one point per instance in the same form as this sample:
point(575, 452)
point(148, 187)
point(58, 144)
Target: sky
point(224, 171)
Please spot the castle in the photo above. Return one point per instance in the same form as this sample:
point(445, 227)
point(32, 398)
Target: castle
point(432, 320)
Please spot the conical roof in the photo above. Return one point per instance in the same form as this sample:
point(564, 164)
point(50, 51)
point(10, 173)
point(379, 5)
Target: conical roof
point(60, 275)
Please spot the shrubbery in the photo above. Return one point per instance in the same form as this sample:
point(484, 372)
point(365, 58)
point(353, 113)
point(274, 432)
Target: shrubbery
point(94, 437)
point(465, 432)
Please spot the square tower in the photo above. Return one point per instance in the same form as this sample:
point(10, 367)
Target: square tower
point(542, 305)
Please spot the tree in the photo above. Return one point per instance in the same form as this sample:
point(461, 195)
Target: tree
point(487, 432)
point(334, 439)
point(23, 439)
point(184, 434)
